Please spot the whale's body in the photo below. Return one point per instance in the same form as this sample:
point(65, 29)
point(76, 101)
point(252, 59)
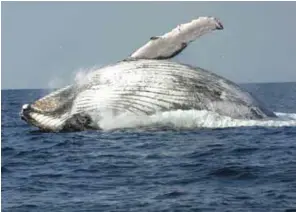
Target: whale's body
point(139, 87)
point(144, 84)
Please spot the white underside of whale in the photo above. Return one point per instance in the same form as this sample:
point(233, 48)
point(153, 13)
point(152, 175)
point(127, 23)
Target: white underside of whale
point(146, 87)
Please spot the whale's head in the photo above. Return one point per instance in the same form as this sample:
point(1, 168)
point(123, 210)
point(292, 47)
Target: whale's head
point(53, 112)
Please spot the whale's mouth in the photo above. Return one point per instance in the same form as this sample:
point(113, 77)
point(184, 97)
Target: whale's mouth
point(48, 123)
point(54, 112)
point(51, 112)
point(43, 121)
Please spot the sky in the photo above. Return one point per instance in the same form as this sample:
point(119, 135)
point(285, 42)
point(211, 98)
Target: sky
point(44, 44)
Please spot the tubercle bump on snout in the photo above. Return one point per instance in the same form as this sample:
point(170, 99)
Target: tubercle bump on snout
point(25, 112)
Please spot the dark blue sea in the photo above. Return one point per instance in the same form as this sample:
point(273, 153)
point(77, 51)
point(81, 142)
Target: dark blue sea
point(200, 163)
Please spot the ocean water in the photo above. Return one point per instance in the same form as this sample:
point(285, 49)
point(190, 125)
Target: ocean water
point(180, 161)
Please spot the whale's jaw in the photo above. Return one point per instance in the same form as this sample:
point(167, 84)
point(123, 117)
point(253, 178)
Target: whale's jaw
point(43, 121)
point(48, 123)
point(53, 112)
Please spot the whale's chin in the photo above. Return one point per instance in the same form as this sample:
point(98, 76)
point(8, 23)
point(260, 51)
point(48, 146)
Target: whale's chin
point(48, 123)
point(41, 120)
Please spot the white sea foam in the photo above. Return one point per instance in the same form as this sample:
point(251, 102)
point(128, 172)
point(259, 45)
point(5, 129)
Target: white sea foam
point(191, 119)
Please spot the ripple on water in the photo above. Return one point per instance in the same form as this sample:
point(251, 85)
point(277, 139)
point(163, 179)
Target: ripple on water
point(5, 169)
point(235, 172)
point(245, 150)
point(171, 194)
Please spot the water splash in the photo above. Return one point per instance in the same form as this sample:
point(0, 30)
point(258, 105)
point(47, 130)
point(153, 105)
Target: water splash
point(190, 119)
point(55, 82)
point(83, 75)
point(79, 76)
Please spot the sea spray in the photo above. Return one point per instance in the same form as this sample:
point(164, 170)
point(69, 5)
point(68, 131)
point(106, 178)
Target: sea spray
point(189, 119)
point(55, 82)
point(83, 75)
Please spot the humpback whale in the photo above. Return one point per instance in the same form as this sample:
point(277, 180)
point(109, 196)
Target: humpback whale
point(145, 83)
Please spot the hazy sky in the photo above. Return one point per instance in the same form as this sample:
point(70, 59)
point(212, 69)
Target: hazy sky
point(45, 43)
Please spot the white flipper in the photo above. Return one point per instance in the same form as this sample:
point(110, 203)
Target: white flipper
point(173, 42)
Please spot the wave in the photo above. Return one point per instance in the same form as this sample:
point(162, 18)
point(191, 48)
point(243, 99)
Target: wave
point(191, 119)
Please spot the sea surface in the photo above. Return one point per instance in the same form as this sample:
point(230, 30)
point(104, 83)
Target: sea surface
point(196, 161)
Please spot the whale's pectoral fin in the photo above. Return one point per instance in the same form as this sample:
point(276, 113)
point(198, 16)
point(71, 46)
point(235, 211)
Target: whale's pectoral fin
point(173, 42)
point(178, 51)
